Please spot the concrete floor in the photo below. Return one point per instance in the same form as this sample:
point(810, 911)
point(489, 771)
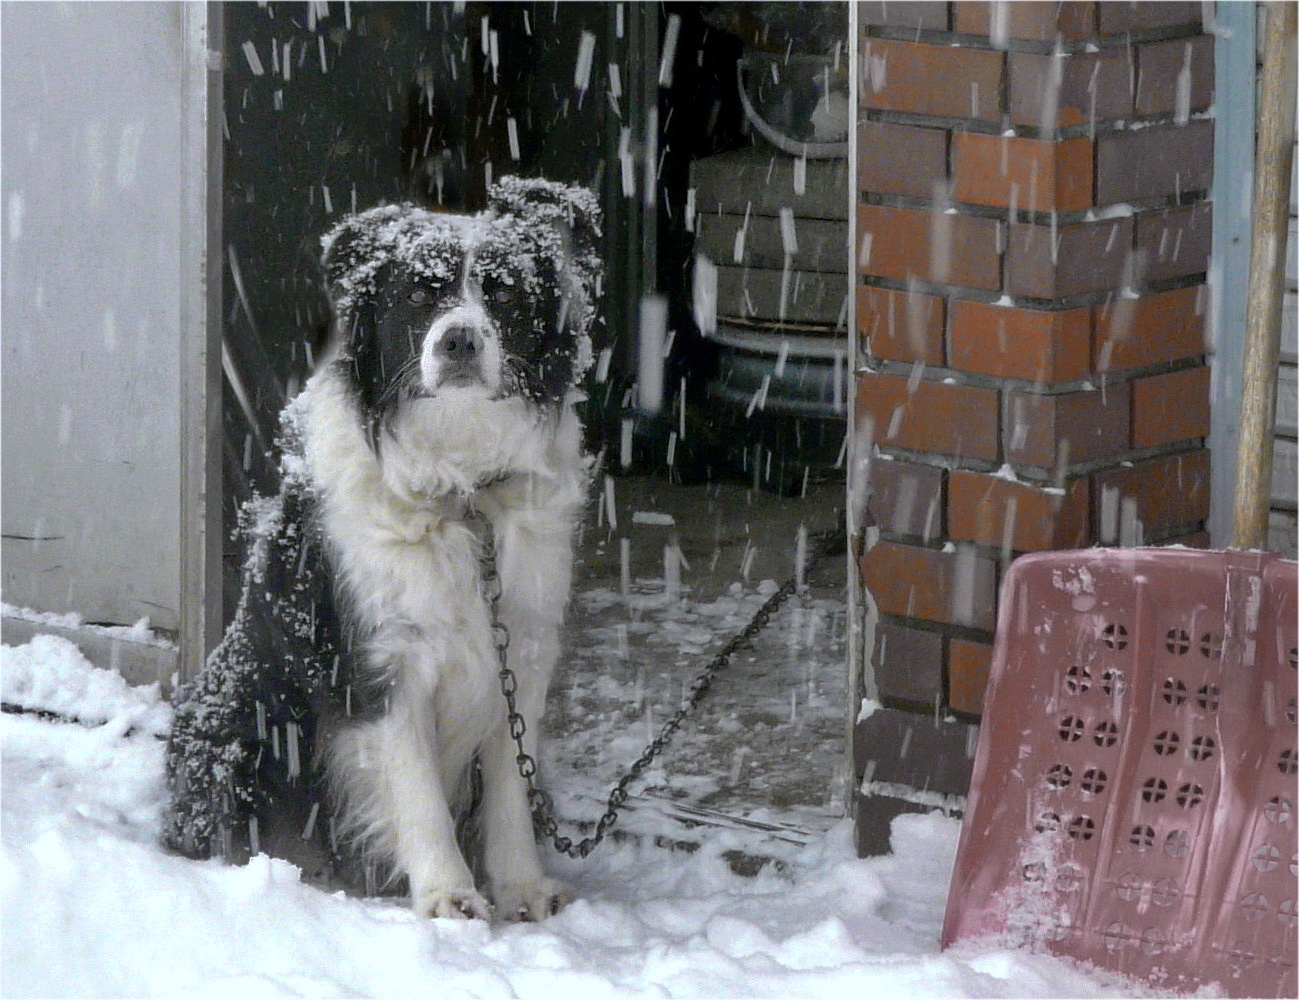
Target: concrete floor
point(767, 749)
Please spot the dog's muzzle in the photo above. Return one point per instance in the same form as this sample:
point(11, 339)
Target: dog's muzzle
point(457, 350)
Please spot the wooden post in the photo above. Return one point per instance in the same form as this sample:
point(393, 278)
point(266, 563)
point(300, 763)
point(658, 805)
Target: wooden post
point(1272, 162)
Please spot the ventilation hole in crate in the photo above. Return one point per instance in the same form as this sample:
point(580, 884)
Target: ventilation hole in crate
point(1166, 743)
point(1207, 697)
point(1253, 906)
point(1293, 657)
point(1048, 822)
point(1078, 679)
point(1286, 762)
point(1266, 858)
point(1128, 887)
point(1294, 864)
point(1290, 715)
point(1059, 776)
point(1286, 913)
point(1154, 790)
point(1153, 941)
point(1278, 809)
point(1177, 844)
point(1082, 828)
point(1211, 645)
point(1106, 734)
point(1117, 936)
point(1071, 729)
point(1113, 683)
point(1202, 748)
point(1094, 781)
point(1174, 692)
point(1069, 879)
point(1034, 872)
point(1190, 795)
point(1178, 641)
point(1142, 837)
point(1165, 892)
point(1115, 636)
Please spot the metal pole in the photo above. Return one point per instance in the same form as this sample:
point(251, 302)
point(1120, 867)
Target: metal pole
point(1272, 162)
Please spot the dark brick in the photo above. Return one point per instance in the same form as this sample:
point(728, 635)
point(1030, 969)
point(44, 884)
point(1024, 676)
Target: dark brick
point(1159, 71)
point(901, 326)
point(1089, 257)
point(896, 750)
point(908, 663)
point(1093, 422)
point(1077, 100)
point(925, 79)
point(900, 159)
point(1029, 20)
point(1175, 242)
point(1170, 492)
point(1154, 162)
point(907, 243)
point(906, 499)
point(1170, 407)
point(922, 14)
point(1118, 16)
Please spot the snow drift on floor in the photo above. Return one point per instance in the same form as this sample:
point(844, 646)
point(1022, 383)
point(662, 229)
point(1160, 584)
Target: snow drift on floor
point(92, 907)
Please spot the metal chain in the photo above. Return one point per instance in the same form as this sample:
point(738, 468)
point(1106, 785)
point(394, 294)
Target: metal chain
point(543, 812)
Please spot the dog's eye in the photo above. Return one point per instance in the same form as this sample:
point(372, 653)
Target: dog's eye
point(504, 295)
point(420, 297)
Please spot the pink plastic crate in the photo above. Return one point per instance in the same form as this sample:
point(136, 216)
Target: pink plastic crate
point(1134, 792)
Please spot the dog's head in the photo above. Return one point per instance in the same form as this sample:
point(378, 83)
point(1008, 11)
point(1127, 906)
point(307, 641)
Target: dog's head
point(495, 306)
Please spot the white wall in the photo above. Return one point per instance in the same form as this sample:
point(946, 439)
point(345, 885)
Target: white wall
point(90, 325)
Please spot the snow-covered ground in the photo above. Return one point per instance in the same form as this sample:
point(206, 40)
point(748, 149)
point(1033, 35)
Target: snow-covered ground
point(92, 907)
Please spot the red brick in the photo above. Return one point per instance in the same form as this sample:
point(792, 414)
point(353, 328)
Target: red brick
point(1118, 16)
point(934, 417)
point(979, 506)
point(1029, 344)
point(957, 588)
point(906, 498)
point(968, 667)
point(908, 243)
point(924, 79)
point(1088, 257)
point(923, 14)
point(1154, 162)
point(1079, 426)
point(1032, 175)
point(1150, 330)
point(1160, 66)
point(1056, 91)
point(901, 326)
point(1175, 242)
point(1029, 20)
point(1171, 492)
point(1170, 407)
point(900, 159)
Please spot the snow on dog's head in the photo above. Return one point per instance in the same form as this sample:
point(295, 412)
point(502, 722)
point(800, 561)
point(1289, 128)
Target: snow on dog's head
point(435, 307)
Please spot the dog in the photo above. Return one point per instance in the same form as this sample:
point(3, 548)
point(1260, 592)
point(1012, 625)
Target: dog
point(356, 693)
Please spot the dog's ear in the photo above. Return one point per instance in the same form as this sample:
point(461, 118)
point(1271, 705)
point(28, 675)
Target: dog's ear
point(576, 208)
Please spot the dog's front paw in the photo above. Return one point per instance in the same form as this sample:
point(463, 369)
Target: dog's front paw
point(530, 902)
point(453, 904)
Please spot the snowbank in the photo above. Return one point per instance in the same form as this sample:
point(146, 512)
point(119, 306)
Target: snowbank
point(92, 907)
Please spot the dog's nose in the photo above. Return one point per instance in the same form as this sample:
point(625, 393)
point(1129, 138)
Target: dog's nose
point(460, 343)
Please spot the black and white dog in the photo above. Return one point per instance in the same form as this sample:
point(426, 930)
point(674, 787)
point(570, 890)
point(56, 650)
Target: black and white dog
point(357, 689)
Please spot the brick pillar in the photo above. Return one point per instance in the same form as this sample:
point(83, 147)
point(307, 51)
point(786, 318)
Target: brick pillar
point(1033, 233)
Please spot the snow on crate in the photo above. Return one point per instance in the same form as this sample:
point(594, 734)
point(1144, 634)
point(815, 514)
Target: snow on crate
point(50, 674)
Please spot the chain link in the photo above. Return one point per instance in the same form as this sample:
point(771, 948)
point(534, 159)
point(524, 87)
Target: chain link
point(543, 811)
